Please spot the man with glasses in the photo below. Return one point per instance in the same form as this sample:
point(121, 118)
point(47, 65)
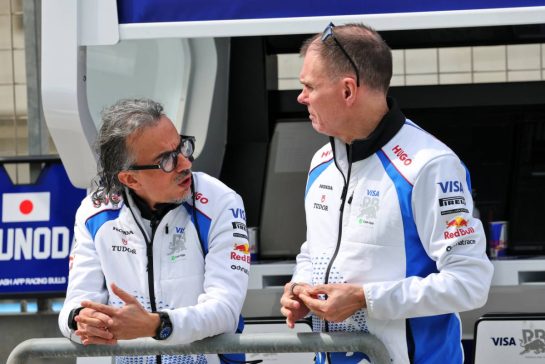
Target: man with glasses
point(392, 248)
point(159, 251)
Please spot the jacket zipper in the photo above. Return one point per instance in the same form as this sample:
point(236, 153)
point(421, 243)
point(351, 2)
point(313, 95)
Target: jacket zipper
point(337, 248)
point(149, 253)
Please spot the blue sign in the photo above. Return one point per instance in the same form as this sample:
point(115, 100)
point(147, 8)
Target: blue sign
point(36, 232)
point(145, 11)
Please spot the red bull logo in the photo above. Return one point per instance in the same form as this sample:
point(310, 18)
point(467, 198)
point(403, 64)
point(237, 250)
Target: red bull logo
point(242, 248)
point(457, 222)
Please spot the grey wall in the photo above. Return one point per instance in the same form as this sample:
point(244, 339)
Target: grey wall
point(16, 328)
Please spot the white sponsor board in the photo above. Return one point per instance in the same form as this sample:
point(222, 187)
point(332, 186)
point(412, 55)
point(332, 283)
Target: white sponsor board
point(510, 339)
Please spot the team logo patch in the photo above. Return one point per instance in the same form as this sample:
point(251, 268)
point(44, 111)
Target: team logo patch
point(176, 247)
point(368, 208)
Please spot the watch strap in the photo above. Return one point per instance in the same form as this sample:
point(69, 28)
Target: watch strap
point(165, 326)
point(72, 323)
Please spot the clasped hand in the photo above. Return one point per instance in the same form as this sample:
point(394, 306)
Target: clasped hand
point(103, 324)
point(333, 302)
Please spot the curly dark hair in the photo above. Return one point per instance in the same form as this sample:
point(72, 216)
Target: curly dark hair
point(119, 121)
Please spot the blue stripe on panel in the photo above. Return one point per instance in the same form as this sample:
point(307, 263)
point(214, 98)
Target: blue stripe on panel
point(203, 222)
point(468, 177)
point(146, 11)
point(96, 221)
point(436, 338)
point(315, 172)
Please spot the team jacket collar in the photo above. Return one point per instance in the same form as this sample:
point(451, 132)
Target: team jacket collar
point(147, 213)
point(390, 124)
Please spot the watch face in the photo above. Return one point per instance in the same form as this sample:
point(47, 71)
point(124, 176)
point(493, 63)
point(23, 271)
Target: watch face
point(165, 332)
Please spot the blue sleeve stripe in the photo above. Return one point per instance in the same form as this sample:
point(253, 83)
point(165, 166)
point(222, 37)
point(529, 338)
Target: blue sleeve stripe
point(96, 221)
point(468, 177)
point(437, 339)
point(315, 172)
point(433, 336)
point(203, 223)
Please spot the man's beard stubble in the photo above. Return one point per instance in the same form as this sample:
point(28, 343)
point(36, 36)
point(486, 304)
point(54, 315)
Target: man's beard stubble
point(187, 196)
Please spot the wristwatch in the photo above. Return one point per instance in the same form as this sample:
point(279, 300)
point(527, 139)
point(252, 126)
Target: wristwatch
point(72, 323)
point(165, 327)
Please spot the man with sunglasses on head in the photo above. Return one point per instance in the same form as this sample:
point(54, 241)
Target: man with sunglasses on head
point(392, 248)
point(159, 251)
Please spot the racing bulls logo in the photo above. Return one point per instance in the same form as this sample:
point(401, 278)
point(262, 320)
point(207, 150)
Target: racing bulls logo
point(538, 346)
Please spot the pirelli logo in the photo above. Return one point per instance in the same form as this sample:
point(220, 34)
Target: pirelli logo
point(450, 201)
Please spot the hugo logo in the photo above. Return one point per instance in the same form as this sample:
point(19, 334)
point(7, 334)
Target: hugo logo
point(400, 153)
point(199, 197)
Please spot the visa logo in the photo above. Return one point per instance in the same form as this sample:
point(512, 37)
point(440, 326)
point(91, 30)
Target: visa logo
point(373, 193)
point(238, 212)
point(503, 341)
point(451, 186)
point(180, 230)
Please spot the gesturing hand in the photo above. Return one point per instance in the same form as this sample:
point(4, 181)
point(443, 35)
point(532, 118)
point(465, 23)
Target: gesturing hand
point(128, 322)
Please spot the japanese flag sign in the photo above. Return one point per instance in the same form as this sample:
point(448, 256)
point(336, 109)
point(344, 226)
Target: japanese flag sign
point(25, 206)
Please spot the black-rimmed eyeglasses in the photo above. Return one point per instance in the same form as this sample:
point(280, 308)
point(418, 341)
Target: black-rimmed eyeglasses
point(169, 160)
point(328, 32)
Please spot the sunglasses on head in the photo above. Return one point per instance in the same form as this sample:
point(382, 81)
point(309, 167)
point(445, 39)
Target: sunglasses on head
point(328, 33)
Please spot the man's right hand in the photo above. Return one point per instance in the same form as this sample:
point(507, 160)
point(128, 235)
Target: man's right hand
point(292, 307)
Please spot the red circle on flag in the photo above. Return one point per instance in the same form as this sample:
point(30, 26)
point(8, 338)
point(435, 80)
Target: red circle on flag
point(26, 207)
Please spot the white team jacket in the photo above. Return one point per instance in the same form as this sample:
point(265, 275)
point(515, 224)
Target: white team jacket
point(407, 235)
point(203, 294)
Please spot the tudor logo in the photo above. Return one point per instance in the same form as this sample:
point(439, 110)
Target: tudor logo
point(319, 206)
point(123, 249)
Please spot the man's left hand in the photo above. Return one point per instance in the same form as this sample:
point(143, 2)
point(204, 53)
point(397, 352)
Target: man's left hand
point(342, 301)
